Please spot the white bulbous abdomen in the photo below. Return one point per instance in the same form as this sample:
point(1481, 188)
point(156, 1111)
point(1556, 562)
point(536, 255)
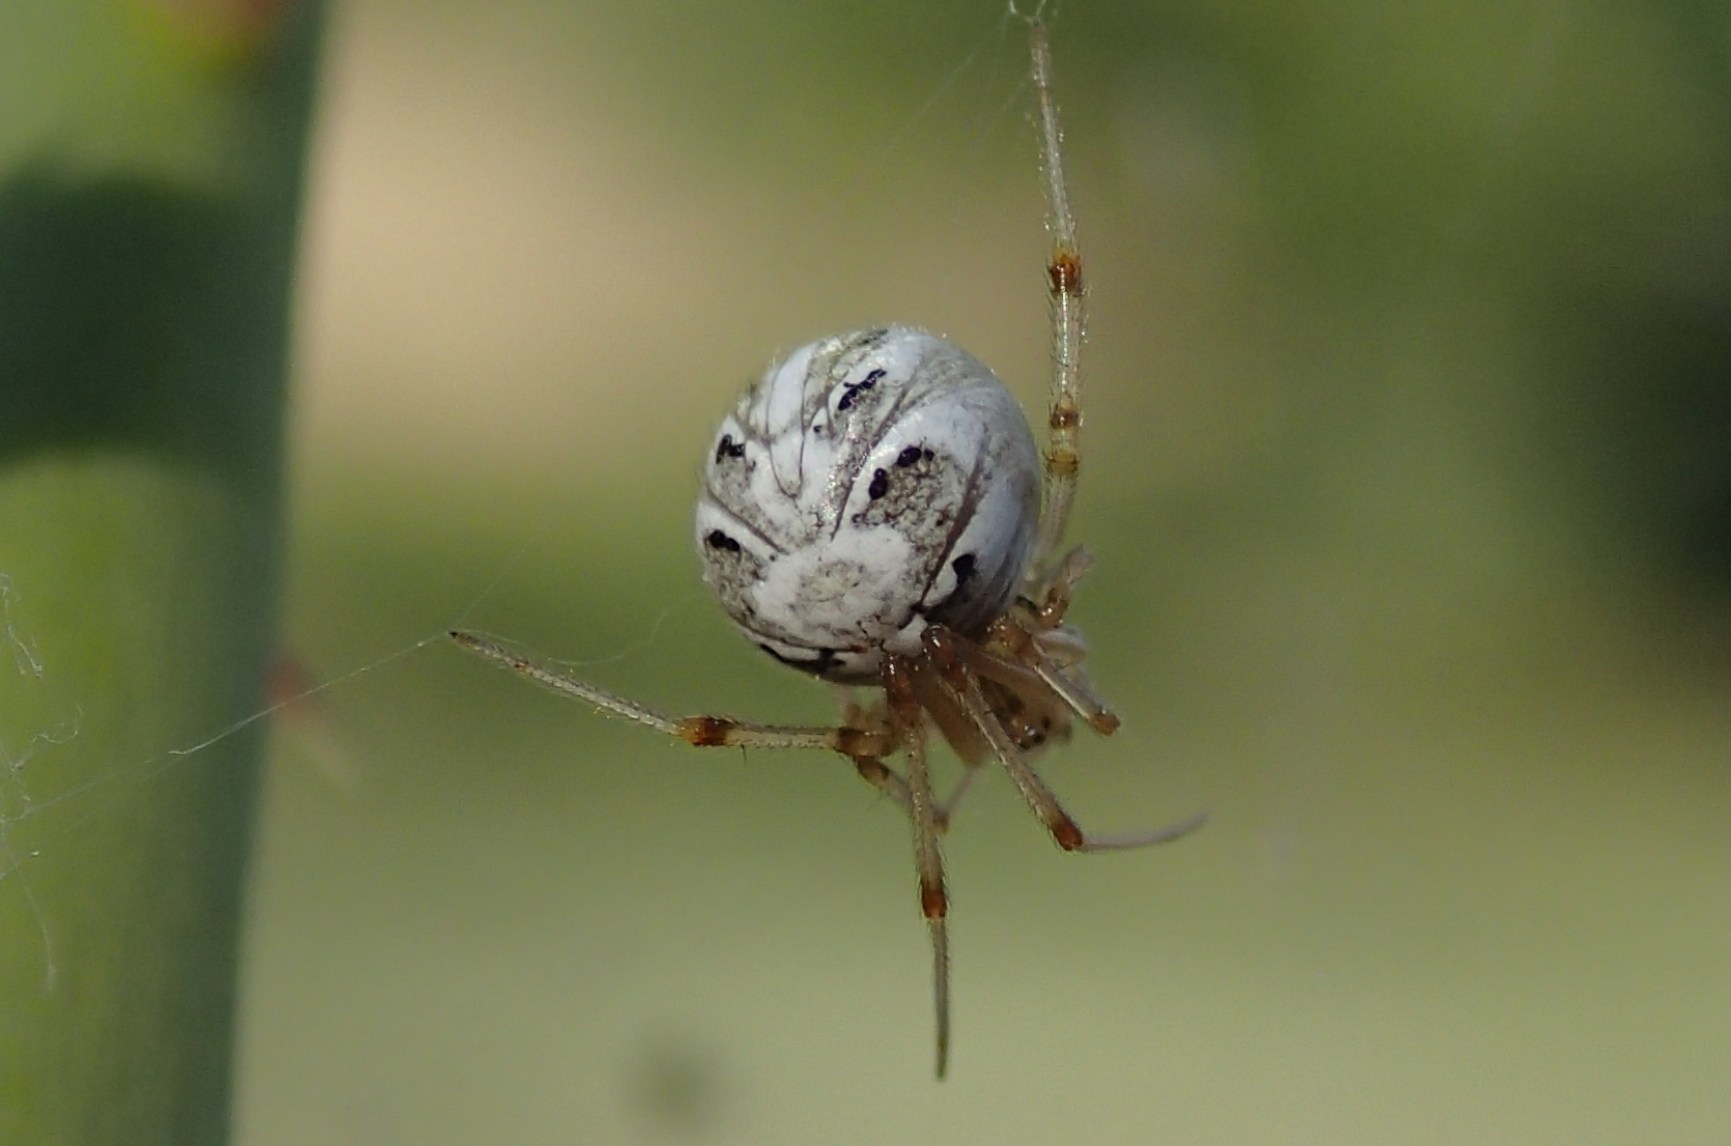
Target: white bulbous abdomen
point(868, 485)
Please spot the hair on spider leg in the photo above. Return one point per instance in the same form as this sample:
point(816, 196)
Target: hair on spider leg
point(875, 512)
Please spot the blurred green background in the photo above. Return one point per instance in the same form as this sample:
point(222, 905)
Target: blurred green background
point(1409, 473)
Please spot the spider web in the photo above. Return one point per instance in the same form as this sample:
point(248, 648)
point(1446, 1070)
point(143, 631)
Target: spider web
point(22, 803)
point(15, 802)
point(24, 806)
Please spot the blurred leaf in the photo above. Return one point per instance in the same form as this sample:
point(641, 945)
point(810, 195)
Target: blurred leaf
point(146, 240)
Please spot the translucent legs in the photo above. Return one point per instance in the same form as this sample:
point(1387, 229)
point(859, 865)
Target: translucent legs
point(989, 699)
point(700, 731)
point(1066, 294)
point(941, 680)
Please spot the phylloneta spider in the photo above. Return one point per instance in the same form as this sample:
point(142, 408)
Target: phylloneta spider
point(875, 512)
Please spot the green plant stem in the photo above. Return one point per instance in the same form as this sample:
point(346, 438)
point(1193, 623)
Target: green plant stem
point(146, 241)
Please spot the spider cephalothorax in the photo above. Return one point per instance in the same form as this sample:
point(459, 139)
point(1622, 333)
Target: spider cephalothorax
point(875, 512)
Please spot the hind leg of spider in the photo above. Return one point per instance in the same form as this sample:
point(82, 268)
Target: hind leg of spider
point(904, 705)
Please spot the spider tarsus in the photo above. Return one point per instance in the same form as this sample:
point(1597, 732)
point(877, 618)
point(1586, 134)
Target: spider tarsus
point(1163, 835)
point(475, 642)
point(941, 990)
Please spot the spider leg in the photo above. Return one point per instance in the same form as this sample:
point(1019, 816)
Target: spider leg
point(862, 745)
point(1053, 591)
point(891, 783)
point(1078, 696)
point(872, 769)
point(700, 731)
point(866, 747)
point(944, 648)
point(1065, 293)
point(1039, 675)
point(886, 780)
point(947, 810)
point(928, 860)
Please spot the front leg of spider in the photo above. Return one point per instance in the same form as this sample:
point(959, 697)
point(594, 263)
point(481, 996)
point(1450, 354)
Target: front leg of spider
point(875, 513)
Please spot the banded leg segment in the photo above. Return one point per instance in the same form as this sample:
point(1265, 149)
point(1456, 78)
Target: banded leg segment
point(928, 860)
point(944, 648)
point(1065, 291)
point(700, 731)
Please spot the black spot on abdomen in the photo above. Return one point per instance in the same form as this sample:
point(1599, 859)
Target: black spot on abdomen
point(855, 389)
point(728, 448)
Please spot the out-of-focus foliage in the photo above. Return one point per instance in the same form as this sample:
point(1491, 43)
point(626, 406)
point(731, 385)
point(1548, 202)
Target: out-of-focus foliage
point(150, 162)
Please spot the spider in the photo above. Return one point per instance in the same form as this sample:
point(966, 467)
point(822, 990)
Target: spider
point(875, 513)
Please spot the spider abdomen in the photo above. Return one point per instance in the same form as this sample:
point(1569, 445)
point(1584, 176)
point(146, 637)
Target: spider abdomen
point(866, 486)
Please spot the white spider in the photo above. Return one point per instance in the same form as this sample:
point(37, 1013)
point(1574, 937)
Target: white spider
point(875, 512)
